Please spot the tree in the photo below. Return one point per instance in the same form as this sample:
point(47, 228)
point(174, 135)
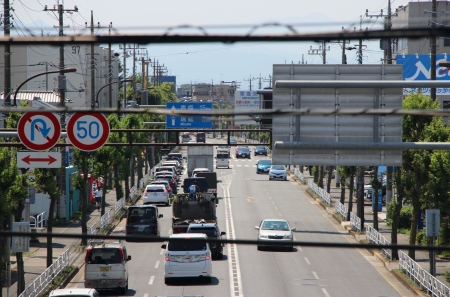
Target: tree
point(46, 183)
point(415, 162)
point(352, 170)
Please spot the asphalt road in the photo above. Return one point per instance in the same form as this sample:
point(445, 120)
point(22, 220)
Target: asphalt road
point(246, 199)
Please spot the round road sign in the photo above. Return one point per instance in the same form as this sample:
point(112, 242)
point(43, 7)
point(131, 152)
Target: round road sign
point(88, 131)
point(39, 131)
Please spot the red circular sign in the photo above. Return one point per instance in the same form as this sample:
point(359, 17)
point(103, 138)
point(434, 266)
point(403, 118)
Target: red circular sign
point(88, 131)
point(39, 131)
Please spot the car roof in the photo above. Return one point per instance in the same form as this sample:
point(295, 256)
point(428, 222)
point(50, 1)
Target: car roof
point(142, 206)
point(275, 220)
point(200, 169)
point(72, 291)
point(163, 181)
point(208, 225)
point(189, 235)
point(155, 185)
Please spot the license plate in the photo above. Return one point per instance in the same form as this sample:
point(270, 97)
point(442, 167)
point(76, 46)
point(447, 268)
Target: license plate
point(187, 259)
point(141, 228)
point(104, 269)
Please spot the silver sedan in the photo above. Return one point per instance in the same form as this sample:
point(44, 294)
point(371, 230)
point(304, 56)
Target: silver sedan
point(275, 230)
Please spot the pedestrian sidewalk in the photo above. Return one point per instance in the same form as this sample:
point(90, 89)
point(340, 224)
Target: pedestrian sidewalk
point(35, 261)
point(421, 257)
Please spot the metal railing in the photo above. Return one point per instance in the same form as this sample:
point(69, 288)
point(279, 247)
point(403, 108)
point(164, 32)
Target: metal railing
point(38, 221)
point(119, 206)
point(41, 283)
point(93, 229)
point(342, 210)
point(105, 220)
point(299, 175)
point(133, 192)
point(320, 192)
point(374, 236)
point(425, 280)
point(355, 222)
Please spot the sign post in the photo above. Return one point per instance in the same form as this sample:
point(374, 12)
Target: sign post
point(88, 131)
point(20, 244)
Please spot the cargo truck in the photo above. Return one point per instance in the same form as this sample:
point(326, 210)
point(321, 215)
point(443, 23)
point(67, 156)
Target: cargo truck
point(193, 209)
point(200, 157)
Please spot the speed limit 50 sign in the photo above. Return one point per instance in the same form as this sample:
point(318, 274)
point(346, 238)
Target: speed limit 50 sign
point(88, 131)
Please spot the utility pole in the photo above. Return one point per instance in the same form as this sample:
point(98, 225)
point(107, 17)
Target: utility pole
point(433, 50)
point(269, 80)
point(110, 72)
point(344, 56)
point(250, 81)
point(94, 103)
point(7, 61)
point(321, 51)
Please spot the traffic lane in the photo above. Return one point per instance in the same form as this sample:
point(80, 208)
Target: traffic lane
point(149, 278)
point(269, 272)
point(294, 207)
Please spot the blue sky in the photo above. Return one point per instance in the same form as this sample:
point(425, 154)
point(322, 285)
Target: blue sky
point(206, 63)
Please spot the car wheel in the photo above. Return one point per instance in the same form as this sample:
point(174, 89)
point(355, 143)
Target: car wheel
point(228, 167)
point(220, 256)
point(257, 172)
point(259, 248)
point(270, 178)
point(167, 281)
point(207, 280)
point(123, 291)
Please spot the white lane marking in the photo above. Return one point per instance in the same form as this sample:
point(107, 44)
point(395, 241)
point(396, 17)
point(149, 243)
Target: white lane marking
point(276, 208)
point(145, 295)
point(279, 214)
point(246, 165)
point(325, 292)
point(152, 278)
point(161, 252)
point(157, 264)
point(307, 261)
point(273, 202)
point(270, 198)
point(315, 275)
point(233, 263)
point(299, 248)
point(239, 165)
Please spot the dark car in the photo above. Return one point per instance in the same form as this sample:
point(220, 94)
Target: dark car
point(263, 166)
point(260, 150)
point(175, 156)
point(201, 137)
point(212, 231)
point(143, 220)
point(171, 180)
point(242, 152)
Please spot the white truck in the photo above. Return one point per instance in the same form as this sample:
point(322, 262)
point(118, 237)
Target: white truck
point(200, 157)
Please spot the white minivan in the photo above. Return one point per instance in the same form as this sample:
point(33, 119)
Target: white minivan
point(187, 258)
point(155, 194)
point(222, 159)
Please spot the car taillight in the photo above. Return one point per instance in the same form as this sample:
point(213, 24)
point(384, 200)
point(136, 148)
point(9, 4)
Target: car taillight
point(207, 257)
point(214, 191)
point(88, 253)
point(156, 230)
point(167, 258)
point(127, 229)
point(145, 193)
point(121, 255)
point(216, 160)
point(165, 191)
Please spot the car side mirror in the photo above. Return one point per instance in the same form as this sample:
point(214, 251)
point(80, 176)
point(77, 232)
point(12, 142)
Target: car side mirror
point(163, 246)
point(160, 216)
point(129, 258)
point(215, 157)
point(219, 181)
point(223, 233)
point(293, 229)
point(256, 227)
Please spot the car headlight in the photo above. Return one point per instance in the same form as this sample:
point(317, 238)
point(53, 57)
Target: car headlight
point(263, 236)
point(287, 236)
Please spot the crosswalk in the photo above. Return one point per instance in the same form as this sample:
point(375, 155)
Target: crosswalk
point(237, 161)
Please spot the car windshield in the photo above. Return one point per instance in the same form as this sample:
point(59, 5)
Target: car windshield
point(275, 225)
point(186, 245)
point(140, 214)
point(278, 167)
point(260, 148)
point(265, 162)
point(222, 156)
point(210, 232)
point(232, 139)
point(104, 256)
point(243, 150)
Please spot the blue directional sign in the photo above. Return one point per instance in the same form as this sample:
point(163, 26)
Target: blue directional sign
point(189, 121)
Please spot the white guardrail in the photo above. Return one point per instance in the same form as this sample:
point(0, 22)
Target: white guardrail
point(374, 236)
point(46, 278)
point(425, 280)
point(342, 210)
point(355, 222)
point(299, 175)
point(320, 192)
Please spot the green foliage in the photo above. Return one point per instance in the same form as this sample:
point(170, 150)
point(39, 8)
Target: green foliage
point(421, 238)
point(405, 216)
point(390, 212)
point(444, 238)
point(447, 276)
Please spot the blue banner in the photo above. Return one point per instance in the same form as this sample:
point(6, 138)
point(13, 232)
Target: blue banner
point(191, 121)
point(417, 67)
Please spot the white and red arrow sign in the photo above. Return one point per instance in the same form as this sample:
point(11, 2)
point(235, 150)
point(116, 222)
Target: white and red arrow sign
point(38, 160)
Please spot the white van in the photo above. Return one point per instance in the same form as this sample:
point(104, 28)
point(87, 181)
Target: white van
point(187, 258)
point(222, 159)
point(106, 266)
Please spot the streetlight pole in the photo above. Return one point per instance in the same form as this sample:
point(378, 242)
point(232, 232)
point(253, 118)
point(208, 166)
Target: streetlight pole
point(108, 84)
point(65, 70)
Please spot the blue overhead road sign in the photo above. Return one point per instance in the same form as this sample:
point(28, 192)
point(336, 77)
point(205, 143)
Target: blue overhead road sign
point(190, 121)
